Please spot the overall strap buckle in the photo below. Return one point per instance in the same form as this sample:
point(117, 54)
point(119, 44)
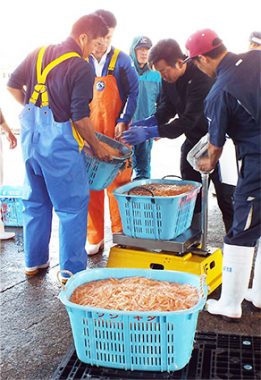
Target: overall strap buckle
point(40, 89)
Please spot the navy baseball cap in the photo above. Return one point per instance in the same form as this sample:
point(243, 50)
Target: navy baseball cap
point(144, 42)
point(255, 37)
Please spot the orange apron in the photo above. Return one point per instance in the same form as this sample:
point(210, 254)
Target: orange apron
point(105, 110)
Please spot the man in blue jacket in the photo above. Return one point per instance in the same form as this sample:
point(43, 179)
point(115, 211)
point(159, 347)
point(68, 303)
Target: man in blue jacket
point(233, 108)
point(114, 102)
point(149, 93)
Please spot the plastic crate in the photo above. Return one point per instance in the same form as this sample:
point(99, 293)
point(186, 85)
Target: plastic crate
point(11, 205)
point(215, 357)
point(154, 217)
point(102, 173)
point(148, 341)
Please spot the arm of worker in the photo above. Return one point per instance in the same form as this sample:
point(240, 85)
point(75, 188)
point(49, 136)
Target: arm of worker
point(166, 104)
point(18, 94)
point(149, 128)
point(9, 134)
point(20, 77)
point(128, 84)
point(218, 115)
point(137, 135)
point(206, 164)
point(166, 109)
point(188, 120)
point(86, 130)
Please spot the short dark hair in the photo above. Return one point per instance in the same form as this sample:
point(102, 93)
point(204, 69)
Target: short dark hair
point(217, 51)
point(108, 17)
point(90, 24)
point(168, 50)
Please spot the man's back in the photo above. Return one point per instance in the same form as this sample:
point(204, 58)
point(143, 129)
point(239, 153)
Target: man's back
point(234, 102)
point(69, 84)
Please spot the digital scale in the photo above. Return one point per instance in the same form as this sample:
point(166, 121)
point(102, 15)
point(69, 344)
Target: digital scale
point(186, 253)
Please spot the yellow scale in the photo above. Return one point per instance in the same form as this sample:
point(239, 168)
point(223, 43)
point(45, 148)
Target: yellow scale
point(129, 257)
point(182, 254)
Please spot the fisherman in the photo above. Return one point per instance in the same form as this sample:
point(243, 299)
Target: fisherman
point(149, 95)
point(55, 121)
point(180, 111)
point(233, 108)
point(114, 102)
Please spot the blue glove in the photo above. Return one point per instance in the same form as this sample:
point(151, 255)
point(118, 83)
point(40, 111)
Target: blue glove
point(148, 122)
point(137, 135)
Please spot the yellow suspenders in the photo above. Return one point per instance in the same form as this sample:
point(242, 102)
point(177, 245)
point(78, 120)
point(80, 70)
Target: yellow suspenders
point(40, 87)
point(113, 61)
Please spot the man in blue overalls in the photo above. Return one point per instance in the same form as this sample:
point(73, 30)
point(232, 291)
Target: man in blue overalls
point(54, 123)
point(233, 108)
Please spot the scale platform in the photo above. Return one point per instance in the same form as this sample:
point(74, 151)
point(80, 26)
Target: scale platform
point(181, 244)
point(180, 255)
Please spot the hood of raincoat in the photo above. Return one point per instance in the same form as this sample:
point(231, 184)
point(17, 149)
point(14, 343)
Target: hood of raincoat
point(135, 42)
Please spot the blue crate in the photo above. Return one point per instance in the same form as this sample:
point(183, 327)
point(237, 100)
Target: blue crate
point(147, 341)
point(158, 218)
point(102, 173)
point(11, 205)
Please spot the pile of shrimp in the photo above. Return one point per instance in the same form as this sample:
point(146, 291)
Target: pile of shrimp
point(161, 190)
point(136, 294)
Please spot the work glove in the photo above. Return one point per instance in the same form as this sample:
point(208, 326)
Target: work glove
point(137, 135)
point(148, 122)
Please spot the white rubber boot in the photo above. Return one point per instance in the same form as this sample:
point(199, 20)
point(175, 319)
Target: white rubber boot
point(5, 235)
point(237, 264)
point(254, 294)
point(92, 249)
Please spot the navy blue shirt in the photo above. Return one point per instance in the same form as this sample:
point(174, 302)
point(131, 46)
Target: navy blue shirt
point(69, 85)
point(233, 104)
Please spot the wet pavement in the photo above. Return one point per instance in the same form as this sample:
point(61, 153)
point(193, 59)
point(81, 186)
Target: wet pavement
point(35, 329)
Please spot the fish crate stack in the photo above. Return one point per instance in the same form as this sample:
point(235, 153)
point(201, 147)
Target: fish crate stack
point(11, 205)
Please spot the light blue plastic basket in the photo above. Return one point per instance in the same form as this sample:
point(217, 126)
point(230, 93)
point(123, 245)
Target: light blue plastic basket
point(147, 341)
point(102, 173)
point(154, 217)
point(11, 205)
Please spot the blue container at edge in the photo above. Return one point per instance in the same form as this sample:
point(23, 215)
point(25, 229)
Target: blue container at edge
point(147, 341)
point(11, 205)
point(154, 217)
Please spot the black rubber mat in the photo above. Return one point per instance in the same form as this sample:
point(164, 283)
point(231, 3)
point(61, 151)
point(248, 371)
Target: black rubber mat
point(215, 356)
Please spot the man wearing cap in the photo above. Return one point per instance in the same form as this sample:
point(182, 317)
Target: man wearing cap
point(255, 41)
point(184, 89)
point(233, 108)
point(149, 92)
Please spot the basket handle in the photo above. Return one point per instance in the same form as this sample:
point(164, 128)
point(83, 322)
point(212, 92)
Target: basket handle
point(171, 175)
point(142, 188)
point(59, 276)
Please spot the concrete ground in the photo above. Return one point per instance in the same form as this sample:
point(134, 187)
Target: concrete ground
point(35, 329)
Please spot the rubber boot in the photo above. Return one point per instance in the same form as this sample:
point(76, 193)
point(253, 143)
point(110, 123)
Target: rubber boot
point(254, 294)
point(5, 235)
point(237, 264)
point(93, 249)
